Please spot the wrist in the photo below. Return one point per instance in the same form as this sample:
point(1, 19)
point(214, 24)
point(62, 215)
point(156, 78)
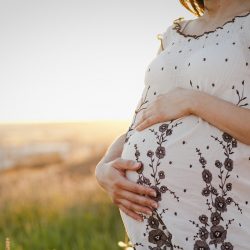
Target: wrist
point(99, 173)
point(194, 102)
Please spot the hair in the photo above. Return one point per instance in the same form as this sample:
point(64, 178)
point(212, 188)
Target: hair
point(196, 7)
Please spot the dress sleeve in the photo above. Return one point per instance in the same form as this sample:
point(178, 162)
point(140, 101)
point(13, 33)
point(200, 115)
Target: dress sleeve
point(246, 37)
point(166, 36)
point(246, 44)
point(246, 52)
point(246, 27)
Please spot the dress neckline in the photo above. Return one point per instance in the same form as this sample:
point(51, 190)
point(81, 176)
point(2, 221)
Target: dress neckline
point(177, 26)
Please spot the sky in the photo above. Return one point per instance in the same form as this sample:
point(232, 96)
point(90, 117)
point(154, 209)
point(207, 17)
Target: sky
point(67, 60)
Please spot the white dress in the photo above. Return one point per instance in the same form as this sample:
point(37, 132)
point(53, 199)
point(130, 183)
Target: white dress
point(201, 174)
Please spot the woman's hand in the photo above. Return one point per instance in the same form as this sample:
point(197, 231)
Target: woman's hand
point(166, 107)
point(129, 196)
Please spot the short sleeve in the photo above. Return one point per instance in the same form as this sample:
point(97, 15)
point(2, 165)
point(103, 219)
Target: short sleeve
point(246, 27)
point(245, 43)
point(245, 37)
point(166, 36)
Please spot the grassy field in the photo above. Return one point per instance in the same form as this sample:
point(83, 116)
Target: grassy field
point(50, 200)
point(93, 226)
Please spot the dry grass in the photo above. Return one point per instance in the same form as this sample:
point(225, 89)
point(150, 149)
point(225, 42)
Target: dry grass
point(7, 244)
point(52, 174)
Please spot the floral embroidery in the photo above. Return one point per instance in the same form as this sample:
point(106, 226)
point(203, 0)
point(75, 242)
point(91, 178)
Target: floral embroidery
point(241, 97)
point(144, 101)
point(156, 231)
point(213, 228)
point(178, 28)
point(216, 188)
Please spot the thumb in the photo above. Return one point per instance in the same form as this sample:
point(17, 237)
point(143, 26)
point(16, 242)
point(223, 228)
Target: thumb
point(122, 164)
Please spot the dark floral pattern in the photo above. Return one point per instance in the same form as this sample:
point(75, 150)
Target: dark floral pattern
point(207, 176)
point(220, 204)
point(201, 245)
point(215, 218)
point(217, 234)
point(227, 246)
point(241, 96)
point(160, 152)
point(156, 231)
point(163, 127)
point(158, 237)
point(150, 153)
point(142, 106)
point(212, 227)
point(203, 219)
point(213, 224)
point(161, 175)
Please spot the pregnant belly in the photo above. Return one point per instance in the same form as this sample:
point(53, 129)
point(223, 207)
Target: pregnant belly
point(150, 146)
point(189, 163)
point(158, 148)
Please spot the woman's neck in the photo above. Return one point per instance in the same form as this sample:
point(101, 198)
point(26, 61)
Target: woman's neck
point(218, 10)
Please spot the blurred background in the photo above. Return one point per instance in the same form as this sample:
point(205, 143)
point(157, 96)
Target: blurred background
point(72, 72)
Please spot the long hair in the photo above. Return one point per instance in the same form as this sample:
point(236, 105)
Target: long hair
point(194, 6)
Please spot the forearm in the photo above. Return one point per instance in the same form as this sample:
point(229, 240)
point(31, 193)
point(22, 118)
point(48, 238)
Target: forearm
point(114, 150)
point(224, 115)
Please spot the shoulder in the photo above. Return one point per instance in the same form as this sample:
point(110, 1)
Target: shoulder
point(247, 18)
point(167, 35)
point(178, 22)
point(246, 26)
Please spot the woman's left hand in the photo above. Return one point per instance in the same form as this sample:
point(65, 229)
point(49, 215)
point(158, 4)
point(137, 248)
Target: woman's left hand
point(169, 106)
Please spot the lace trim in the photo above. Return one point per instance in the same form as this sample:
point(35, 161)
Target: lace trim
point(178, 27)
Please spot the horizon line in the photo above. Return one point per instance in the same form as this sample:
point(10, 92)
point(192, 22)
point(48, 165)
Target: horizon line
point(61, 121)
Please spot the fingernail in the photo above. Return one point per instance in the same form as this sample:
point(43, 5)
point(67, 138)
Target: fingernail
point(155, 205)
point(140, 219)
point(138, 164)
point(153, 194)
point(148, 212)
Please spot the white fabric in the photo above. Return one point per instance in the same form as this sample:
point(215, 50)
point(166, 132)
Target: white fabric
point(202, 172)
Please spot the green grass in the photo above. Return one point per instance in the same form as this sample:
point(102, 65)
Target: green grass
point(90, 227)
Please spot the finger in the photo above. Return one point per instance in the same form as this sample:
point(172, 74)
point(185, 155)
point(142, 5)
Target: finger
point(123, 164)
point(142, 116)
point(138, 121)
point(131, 213)
point(140, 200)
point(137, 188)
point(146, 123)
point(135, 207)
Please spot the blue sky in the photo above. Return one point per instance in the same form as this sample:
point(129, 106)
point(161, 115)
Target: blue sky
point(77, 60)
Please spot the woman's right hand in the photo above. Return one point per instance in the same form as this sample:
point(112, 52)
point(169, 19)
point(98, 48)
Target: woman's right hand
point(130, 197)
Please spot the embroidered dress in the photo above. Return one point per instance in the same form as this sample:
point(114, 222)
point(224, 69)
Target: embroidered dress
point(200, 173)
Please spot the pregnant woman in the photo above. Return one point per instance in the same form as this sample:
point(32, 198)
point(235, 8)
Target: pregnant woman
point(180, 175)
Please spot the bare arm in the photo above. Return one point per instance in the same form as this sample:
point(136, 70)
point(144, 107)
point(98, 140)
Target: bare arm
point(228, 117)
point(224, 115)
point(130, 197)
point(114, 150)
